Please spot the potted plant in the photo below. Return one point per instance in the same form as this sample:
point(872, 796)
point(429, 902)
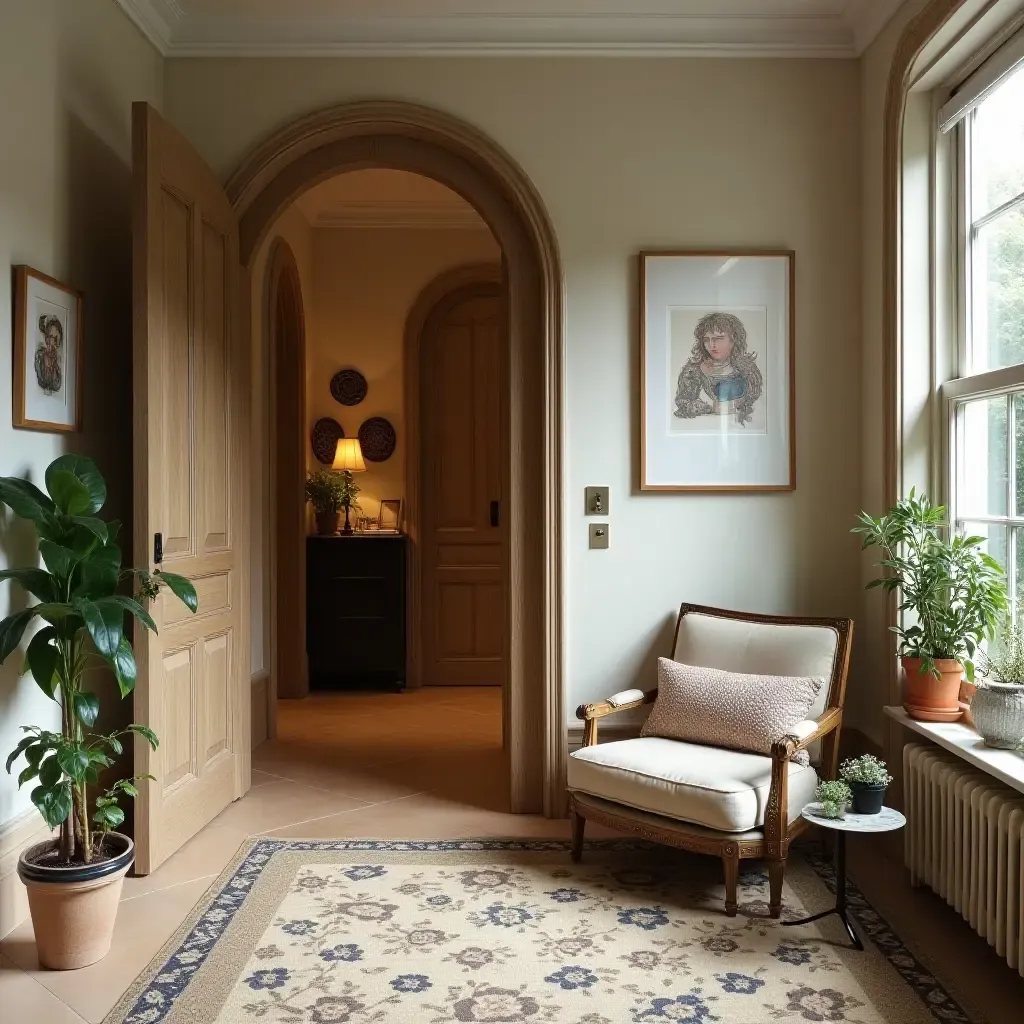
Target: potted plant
point(868, 779)
point(329, 493)
point(74, 881)
point(954, 590)
point(834, 798)
point(998, 705)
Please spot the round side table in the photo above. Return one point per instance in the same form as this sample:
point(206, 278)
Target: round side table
point(888, 819)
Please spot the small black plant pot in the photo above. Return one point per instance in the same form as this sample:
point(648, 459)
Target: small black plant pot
point(867, 797)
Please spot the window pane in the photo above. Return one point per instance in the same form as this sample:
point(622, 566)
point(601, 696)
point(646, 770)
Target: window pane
point(997, 298)
point(997, 148)
point(983, 481)
point(996, 539)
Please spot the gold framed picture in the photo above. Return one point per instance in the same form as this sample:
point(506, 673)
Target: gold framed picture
point(390, 517)
point(47, 353)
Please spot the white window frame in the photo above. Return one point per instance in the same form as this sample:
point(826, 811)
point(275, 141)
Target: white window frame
point(964, 386)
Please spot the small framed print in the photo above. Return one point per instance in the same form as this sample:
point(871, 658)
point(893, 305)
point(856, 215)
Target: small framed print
point(717, 371)
point(47, 353)
point(390, 516)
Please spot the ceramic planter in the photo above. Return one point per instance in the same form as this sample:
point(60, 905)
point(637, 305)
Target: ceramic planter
point(868, 797)
point(929, 699)
point(327, 523)
point(74, 908)
point(998, 710)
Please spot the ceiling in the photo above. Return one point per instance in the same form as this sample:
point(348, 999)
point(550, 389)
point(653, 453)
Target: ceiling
point(755, 28)
point(379, 198)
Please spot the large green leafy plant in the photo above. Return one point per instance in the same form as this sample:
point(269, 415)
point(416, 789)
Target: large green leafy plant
point(956, 591)
point(82, 602)
point(330, 491)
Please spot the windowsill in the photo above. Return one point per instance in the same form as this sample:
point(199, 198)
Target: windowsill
point(965, 742)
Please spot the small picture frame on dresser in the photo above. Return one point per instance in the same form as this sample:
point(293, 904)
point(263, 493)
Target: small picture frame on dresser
point(389, 519)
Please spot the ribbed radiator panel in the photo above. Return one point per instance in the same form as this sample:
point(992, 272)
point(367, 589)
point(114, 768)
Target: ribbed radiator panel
point(965, 839)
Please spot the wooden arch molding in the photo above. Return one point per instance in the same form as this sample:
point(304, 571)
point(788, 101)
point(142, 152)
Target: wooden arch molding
point(408, 137)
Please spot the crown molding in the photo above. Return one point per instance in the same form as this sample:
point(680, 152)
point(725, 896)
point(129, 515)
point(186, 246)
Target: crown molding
point(408, 213)
point(635, 35)
point(867, 20)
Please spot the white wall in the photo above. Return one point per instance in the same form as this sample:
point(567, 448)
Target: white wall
point(629, 154)
point(365, 281)
point(69, 70)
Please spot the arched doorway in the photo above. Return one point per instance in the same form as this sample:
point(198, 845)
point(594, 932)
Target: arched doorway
point(407, 137)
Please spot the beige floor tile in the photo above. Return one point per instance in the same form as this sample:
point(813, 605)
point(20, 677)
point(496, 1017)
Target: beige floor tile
point(143, 926)
point(261, 778)
point(367, 783)
point(281, 803)
point(205, 856)
point(23, 999)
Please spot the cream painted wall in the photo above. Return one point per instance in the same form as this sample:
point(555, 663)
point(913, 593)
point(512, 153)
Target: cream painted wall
point(628, 154)
point(291, 229)
point(69, 70)
point(365, 281)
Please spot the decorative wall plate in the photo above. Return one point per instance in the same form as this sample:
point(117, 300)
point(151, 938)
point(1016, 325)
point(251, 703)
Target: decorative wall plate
point(348, 387)
point(377, 439)
point(324, 438)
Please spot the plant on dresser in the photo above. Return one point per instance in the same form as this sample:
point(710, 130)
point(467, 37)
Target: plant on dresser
point(952, 592)
point(81, 600)
point(868, 780)
point(329, 493)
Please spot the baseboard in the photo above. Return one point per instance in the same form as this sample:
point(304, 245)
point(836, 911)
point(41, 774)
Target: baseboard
point(260, 711)
point(18, 834)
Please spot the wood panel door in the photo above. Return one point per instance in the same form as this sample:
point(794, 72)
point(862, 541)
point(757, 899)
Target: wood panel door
point(191, 383)
point(465, 564)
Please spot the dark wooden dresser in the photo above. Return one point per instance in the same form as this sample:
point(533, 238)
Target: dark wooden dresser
point(355, 611)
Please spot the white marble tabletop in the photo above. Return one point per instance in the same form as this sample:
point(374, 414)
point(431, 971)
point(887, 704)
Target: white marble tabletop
point(887, 820)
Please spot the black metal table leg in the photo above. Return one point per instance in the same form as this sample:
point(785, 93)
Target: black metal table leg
point(840, 907)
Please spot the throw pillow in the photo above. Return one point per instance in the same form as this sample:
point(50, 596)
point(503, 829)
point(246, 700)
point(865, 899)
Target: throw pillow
point(729, 709)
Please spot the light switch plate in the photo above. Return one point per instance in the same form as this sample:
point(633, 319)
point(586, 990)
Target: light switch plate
point(595, 501)
point(599, 535)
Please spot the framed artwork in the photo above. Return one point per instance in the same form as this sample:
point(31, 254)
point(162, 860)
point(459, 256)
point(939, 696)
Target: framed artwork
point(390, 517)
point(47, 353)
point(717, 371)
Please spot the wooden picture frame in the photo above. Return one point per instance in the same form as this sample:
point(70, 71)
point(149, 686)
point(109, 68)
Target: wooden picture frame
point(389, 519)
point(48, 332)
point(726, 422)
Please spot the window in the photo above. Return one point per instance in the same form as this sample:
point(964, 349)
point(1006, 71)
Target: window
point(986, 399)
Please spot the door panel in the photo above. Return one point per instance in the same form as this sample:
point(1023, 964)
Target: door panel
point(191, 457)
point(464, 563)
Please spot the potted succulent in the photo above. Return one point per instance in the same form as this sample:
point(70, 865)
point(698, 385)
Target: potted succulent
point(998, 705)
point(868, 779)
point(329, 493)
point(834, 798)
point(74, 880)
point(954, 592)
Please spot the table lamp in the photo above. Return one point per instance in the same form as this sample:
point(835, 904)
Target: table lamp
point(348, 459)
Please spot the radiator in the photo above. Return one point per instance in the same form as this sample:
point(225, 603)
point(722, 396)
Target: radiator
point(965, 839)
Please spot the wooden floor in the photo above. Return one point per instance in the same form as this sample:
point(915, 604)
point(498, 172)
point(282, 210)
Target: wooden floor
point(424, 764)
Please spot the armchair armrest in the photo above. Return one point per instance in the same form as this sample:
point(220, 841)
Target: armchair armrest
point(621, 701)
point(805, 733)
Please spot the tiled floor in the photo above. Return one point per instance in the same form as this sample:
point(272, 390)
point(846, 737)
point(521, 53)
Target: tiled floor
point(421, 764)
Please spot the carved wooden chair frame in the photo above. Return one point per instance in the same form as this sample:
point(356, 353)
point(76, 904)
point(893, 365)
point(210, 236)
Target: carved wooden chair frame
point(777, 831)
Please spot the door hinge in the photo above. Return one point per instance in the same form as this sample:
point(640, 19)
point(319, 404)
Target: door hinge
point(158, 548)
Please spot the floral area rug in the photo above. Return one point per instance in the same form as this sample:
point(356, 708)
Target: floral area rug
point(502, 932)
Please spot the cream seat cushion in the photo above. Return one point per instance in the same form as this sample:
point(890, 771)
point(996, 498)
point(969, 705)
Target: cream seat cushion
point(726, 790)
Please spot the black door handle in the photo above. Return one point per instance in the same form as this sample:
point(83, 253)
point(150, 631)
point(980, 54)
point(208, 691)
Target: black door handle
point(495, 512)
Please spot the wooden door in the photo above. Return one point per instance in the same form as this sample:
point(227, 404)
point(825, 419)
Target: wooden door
point(191, 384)
point(463, 514)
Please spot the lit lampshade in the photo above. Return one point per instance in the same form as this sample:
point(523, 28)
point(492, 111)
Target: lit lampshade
point(348, 456)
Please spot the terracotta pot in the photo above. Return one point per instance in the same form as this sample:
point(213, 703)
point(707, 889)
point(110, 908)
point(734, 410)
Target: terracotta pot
point(967, 692)
point(929, 699)
point(74, 908)
point(327, 523)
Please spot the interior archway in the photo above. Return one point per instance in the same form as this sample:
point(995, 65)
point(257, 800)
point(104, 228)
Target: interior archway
point(407, 137)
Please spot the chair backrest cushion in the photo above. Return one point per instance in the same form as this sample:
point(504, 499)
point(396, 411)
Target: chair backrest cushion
point(759, 648)
point(729, 709)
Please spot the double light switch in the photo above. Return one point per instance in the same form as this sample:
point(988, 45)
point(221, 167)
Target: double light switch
point(596, 503)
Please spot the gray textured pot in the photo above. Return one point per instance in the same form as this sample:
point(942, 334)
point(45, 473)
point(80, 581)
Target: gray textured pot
point(998, 712)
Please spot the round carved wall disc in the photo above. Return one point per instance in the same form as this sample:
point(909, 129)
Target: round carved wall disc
point(348, 387)
point(377, 439)
point(324, 438)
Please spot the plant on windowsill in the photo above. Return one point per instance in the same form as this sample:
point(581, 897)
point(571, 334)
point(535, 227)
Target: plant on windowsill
point(868, 780)
point(74, 881)
point(834, 798)
point(955, 591)
point(329, 493)
point(998, 704)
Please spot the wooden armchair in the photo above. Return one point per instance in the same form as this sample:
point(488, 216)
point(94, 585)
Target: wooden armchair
point(726, 803)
